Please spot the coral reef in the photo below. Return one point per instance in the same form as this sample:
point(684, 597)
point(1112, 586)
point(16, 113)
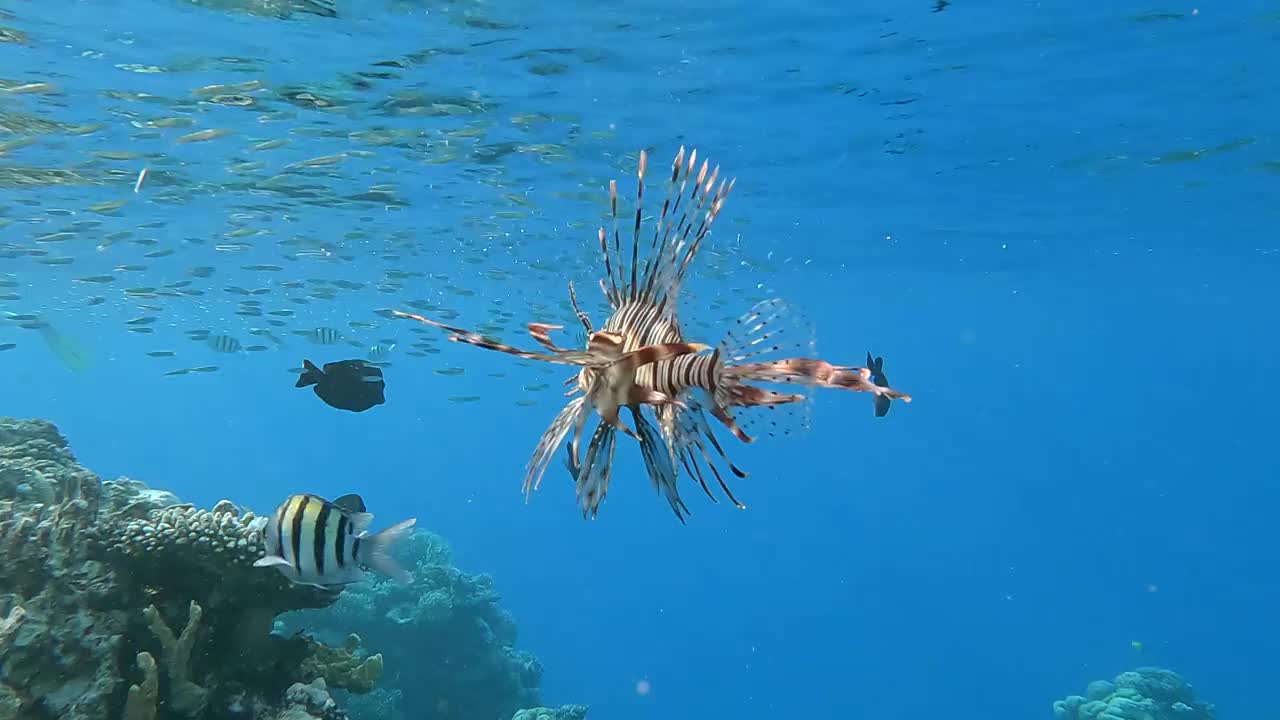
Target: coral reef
point(449, 640)
point(1147, 693)
point(119, 603)
point(564, 712)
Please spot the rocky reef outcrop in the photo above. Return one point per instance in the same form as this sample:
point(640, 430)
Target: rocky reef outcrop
point(1147, 693)
point(117, 601)
point(452, 644)
point(564, 712)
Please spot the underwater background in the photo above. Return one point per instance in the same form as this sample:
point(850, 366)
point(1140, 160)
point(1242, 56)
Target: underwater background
point(1055, 221)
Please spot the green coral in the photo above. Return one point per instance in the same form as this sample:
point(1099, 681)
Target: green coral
point(1147, 693)
point(473, 668)
point(345, 667)
point(186, 697)
point(143, 700)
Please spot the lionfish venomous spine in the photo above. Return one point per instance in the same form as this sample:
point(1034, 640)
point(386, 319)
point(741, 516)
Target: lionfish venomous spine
point(640, 358)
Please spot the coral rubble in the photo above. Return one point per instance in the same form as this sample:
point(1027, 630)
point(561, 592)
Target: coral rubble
point(1147, 693)
point(118, 601)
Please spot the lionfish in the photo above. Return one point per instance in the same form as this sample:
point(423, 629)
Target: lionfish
point(641, 360)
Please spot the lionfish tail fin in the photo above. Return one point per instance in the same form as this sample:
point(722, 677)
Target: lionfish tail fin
point(760, 349)
point(770, 329)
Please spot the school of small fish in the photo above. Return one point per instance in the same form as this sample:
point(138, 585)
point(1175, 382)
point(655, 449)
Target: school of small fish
point(181, 226)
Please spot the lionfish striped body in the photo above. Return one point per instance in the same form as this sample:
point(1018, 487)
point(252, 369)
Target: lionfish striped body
point(640, 358)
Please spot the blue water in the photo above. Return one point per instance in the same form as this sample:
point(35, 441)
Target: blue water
point(1056, 221)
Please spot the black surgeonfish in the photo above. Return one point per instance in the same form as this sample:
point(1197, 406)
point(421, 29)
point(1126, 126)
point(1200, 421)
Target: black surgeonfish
point(876, 366)
point(353, 385)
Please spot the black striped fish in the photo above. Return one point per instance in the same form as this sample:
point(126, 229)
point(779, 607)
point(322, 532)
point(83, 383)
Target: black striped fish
point(326, 544)
point(223, 344)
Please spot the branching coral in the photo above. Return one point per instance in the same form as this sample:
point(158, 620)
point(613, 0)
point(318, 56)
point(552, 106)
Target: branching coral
point(186, 697)
point(143, 700)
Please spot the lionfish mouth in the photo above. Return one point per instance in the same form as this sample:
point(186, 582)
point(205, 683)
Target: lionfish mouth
point(640, 359)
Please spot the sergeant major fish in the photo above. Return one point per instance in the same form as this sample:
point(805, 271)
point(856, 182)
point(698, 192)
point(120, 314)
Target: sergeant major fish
point(326, 544)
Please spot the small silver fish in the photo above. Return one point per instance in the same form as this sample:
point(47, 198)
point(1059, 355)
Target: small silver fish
point(326, 544)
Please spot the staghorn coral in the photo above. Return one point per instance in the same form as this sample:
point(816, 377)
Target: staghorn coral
point(186, 697)
point(448, 642)
point(143, 700)
point(1148, 693)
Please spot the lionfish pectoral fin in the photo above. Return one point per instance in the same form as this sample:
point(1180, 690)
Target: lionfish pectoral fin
point(727, 420)
point(468, 337)
point(579, 423)
point(592, 481)
point(573, 413)
point(658, 463)
point(541, 334)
